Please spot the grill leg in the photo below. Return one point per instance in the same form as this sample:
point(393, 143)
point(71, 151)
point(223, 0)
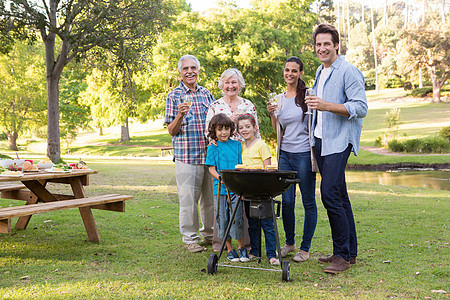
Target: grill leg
point(274, 218)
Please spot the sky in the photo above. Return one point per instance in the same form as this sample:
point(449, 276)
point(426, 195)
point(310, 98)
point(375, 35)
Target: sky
point(201, 5)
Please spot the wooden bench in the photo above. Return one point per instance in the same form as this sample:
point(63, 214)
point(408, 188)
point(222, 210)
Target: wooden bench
point(113, 202)
point(12, 187)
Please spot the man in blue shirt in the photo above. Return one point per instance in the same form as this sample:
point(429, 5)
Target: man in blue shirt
point(339, 106)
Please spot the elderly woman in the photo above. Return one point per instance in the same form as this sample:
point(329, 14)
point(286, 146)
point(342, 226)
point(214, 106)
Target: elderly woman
point(231, 83)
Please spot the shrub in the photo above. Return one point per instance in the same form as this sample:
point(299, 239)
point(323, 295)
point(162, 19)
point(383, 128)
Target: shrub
point(407, 85)
point(370, 83)
point(445, 132)
point(396, 146)
point(435, 145)
point(421, 92)
point(3, 136)
point(393, 83)
point(412, 145)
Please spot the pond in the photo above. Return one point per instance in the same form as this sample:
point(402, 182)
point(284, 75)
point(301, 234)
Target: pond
point(431, 179)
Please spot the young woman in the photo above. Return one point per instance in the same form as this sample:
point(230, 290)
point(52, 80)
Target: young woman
point(290, 121)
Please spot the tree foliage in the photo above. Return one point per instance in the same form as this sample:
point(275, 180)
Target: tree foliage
point(428, 46)
point(79, 26)
point(256, 41)
point(22, 96)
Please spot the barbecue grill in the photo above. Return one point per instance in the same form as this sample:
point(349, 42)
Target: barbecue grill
point(259, 187)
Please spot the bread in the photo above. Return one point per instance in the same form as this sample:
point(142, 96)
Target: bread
point(26, 165)
point(240, 166)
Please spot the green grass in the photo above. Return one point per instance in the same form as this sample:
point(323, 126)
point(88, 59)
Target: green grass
point(403, 246)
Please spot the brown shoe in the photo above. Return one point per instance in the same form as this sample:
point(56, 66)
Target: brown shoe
point(329, 259)
point(337, 265)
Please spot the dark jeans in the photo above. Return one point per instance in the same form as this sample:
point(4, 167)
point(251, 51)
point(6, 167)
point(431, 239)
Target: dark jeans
point(253, 232)
point(335, 199)
point(300, 162)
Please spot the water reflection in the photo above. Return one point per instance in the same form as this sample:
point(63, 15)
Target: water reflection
point(431, 179)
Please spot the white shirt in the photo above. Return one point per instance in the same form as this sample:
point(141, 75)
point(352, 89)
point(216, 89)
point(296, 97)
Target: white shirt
point(323, 76)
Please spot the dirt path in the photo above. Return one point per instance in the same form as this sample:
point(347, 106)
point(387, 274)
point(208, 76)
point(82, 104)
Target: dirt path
point(384, 151)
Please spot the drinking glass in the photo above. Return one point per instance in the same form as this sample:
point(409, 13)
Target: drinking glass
point(273, 101)
point(309, 92)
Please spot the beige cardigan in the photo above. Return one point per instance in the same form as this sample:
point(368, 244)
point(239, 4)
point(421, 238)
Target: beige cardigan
point(280, 133)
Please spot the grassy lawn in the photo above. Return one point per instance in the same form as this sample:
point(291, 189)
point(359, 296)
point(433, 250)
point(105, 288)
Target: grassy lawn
point(403, 242)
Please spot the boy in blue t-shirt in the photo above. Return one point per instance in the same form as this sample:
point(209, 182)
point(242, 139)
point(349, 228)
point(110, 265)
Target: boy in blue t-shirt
point(225, 154)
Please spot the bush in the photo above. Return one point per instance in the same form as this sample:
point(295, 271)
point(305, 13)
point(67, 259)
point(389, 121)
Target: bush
point(445, 132)
point(393, 83)
point(413, 145)
point(428, 145)
point(370, 83)
point(435, 145)
point(3, 136)
point(396, 146)
point(421, 92)
point(407, 86)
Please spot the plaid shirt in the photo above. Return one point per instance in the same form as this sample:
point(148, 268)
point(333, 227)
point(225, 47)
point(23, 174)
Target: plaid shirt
point(189, 144)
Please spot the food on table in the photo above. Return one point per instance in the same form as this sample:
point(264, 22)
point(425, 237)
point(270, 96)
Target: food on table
point(240, 166)
point(11, 173)
point(27, 166)
point(271, 167)
point(58, 169)
point(14, 167)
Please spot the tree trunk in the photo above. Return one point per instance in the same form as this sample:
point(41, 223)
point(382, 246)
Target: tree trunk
point(420, 78)
point(363, 12)
point(100, 131)
point(374, 49)
point(406, 14)
point(12, 140)
point(53, 138)
point(348, 25)
point(385, 18)
point(54, 70)
point(437, 84)
point(125, 132)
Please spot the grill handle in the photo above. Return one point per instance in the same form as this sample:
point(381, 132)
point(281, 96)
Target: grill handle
point(292, 181)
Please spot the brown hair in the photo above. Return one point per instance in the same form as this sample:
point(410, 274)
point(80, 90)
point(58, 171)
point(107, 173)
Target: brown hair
point(247, 117)
point(301, 87)
point(327, 28)
point(219, 121)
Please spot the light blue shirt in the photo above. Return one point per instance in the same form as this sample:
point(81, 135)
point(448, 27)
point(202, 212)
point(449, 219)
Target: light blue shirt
point(224, 156)
point(344, 85)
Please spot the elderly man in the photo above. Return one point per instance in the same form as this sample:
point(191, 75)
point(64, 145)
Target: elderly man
point(186, 108)
point(339, 107)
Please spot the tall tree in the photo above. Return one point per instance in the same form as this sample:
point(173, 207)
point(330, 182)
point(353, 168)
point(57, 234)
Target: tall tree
point(69, 29)
point(428, 46)
point(22, 96)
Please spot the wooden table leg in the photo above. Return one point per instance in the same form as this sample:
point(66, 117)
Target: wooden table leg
point(38, 189)
point(86, 212)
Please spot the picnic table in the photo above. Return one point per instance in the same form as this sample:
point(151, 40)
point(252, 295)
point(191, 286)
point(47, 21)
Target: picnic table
point(32, 188)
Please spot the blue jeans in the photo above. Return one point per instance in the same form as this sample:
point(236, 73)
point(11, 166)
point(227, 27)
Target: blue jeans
point(253, 232)
point(300, 162)
point(224, 215)
point(335, 199)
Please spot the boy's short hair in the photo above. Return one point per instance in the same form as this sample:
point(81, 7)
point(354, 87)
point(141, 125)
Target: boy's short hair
point(219, 121)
